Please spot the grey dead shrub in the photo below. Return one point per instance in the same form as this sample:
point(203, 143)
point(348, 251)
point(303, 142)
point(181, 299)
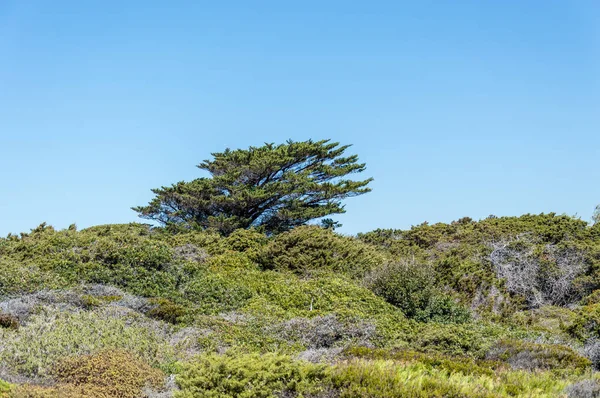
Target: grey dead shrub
point(542, 275)
point(324, 331)
point(591, 350)
point(589, 388)
point(530, 356)
point(318, 355)
point(72, 300)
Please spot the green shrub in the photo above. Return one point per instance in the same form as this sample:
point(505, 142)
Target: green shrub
point(586, 323)
point(166, 310)
point(451, 364)
point(4, 388)
point(248, 376)
point(454, 339)
point(591, 299)
point(18, 278)
point(213, 293)
point(411, 287)
point(391, 379)
point(310, 248)
point(244, 240)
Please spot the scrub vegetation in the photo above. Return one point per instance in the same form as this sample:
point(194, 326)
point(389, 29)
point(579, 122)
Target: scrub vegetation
point(217, 305)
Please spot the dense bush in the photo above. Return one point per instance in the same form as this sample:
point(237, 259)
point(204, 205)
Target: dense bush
point(107, 374)
point(325, 331)
point(532, 356)
point(390, 379)
point(34, 348)
point(167, 296)
point(214, 293)
point(166, 310)
point(586, 323)
point(249, 376)
point(310, 248)
point(411, 287)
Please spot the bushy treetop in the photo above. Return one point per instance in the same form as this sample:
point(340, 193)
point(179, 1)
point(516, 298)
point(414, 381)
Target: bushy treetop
point(272, 187)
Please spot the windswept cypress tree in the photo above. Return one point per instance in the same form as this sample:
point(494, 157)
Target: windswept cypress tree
point(272, 187)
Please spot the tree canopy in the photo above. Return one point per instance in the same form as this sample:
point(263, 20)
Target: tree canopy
point(271, 187)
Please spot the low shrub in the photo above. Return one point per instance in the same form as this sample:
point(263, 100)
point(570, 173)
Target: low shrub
point(53, 334)
point(391, 379)
point(248, 376)
point(411, 287)
point(19, 278)
point(473, 340)
point(532, 356)
point(589, 388)
point(324, 331)
point(166, 310)
point(593, 298)
point(451, 364)
point(8, 321)
point(213, 293)
point(119, 372)
point(308, 249)
point(586, 323)
point(4, 388)
point(105, 374)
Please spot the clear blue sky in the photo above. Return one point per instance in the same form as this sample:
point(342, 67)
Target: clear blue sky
point(459, 108)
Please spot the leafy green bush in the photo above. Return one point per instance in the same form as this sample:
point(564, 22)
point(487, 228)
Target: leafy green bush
point(469, 339)
point(166, 310)
point(19, 278)
point(310, 248)
point(243, 240)
point(213, 293)
point(586, 323)
point(248, 376)
point(411, 287)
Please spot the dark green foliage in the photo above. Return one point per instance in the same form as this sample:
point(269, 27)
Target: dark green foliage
point(310, 248)
point(214, 293)
point(411, 287)
point(186, 295)
point(460, 255)
point(586, 323)
point(8, 321)
point(166, 310)
point(274, 187)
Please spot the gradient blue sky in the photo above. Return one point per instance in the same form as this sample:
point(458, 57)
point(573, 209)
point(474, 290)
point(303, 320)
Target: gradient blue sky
point(459, 108)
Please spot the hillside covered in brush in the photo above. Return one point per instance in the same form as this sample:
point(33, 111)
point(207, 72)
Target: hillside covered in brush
point(501, 307)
